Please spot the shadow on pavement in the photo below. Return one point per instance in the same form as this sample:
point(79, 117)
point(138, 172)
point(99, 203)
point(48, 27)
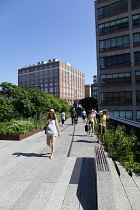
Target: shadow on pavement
point(30, 154)
point(85, 141)
point(84, 174)
point(76, 135)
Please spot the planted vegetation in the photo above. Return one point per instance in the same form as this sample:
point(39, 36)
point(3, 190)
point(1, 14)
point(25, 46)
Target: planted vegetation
point(24, 110)
point(123, 146)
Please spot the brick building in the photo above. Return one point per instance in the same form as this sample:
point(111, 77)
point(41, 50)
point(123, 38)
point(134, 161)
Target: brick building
point(118, 57)
point(54, 77)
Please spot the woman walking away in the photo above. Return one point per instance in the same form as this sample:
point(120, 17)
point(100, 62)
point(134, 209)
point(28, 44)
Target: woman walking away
point(52, 130)
point(63, 118)
point(90, 121)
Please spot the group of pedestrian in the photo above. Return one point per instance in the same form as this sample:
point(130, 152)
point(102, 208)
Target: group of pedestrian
point(52, 128)
point(92, 120)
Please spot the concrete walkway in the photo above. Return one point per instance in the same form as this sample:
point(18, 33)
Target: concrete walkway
point(29, 180)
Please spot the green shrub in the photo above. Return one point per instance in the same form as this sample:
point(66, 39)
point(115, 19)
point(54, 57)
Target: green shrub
point(17, 127)
point(123, 145)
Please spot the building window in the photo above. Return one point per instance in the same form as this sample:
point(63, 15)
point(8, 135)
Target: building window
point(113, 26)
point(114, 43)
point(137, 57)
point(138, 97)
point(113, 9)
point(136, 38)
point(135, 3)
point(138, 116)
point(121, 114)
point(46, 90)
point(137, 76)
point(46, 80)
point(56, 89)
point(116, 98)
point(117, 60)
point(51, 84)
point(116, 79)
point(136, 20)
point(51, 89)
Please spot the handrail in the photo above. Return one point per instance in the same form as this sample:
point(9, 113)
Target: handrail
point(125, 121)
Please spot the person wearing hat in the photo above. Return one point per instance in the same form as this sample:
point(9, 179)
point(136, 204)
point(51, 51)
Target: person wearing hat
point(102, 124)
point(52, 130)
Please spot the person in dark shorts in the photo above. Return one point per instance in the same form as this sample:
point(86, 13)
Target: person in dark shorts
point(83, 114)
point(90, 121)
point(102, 124)
point(73, 113)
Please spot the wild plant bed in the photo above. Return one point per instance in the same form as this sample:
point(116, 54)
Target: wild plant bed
point(123, 146)
point(20, 136)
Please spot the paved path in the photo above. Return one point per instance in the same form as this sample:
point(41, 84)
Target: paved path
point(29, 180)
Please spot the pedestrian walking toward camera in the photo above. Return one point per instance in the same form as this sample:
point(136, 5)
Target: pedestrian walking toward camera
point(94, 112)
point(83, 114)
point(63, 118)
point(52, 130)
point(73, 114)
point(102, 124)
point(90, 121)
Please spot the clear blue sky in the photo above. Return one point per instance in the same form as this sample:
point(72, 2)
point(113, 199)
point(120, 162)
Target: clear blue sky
point(39, 30)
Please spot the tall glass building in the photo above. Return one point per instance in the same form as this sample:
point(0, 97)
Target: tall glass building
point(118, 57)
point(54, 77)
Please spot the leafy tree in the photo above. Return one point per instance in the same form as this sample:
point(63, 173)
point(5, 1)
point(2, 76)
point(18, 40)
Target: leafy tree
point(6, 108)
point(88, 103)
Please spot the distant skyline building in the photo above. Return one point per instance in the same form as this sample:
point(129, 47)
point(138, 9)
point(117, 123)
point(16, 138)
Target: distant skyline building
point(54, 77)
point(118, 57)
point(94, 90)
point(87, 90)
point(95, 79)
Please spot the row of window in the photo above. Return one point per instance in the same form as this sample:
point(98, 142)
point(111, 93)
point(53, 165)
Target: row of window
point(116, 60)
point(117, 8)
point(113, 79)
point(116, 98)
point(125, 114)
point(121, 114)
point(50, 90)
point(40, 81)
point(113, 9)
point(118, 42)
point(119, 60)
point(114, 43)
point(118, 24)
point(135, 3)
point(22, 73)
point(113, 26)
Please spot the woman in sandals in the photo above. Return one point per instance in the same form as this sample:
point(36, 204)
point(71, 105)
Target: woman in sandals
point(52, 130)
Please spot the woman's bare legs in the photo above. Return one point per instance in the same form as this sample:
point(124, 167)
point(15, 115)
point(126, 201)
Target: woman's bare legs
point(49, 141)
point(52, 146)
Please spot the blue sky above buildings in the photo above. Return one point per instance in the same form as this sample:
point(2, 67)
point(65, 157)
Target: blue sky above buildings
point(39, 30)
